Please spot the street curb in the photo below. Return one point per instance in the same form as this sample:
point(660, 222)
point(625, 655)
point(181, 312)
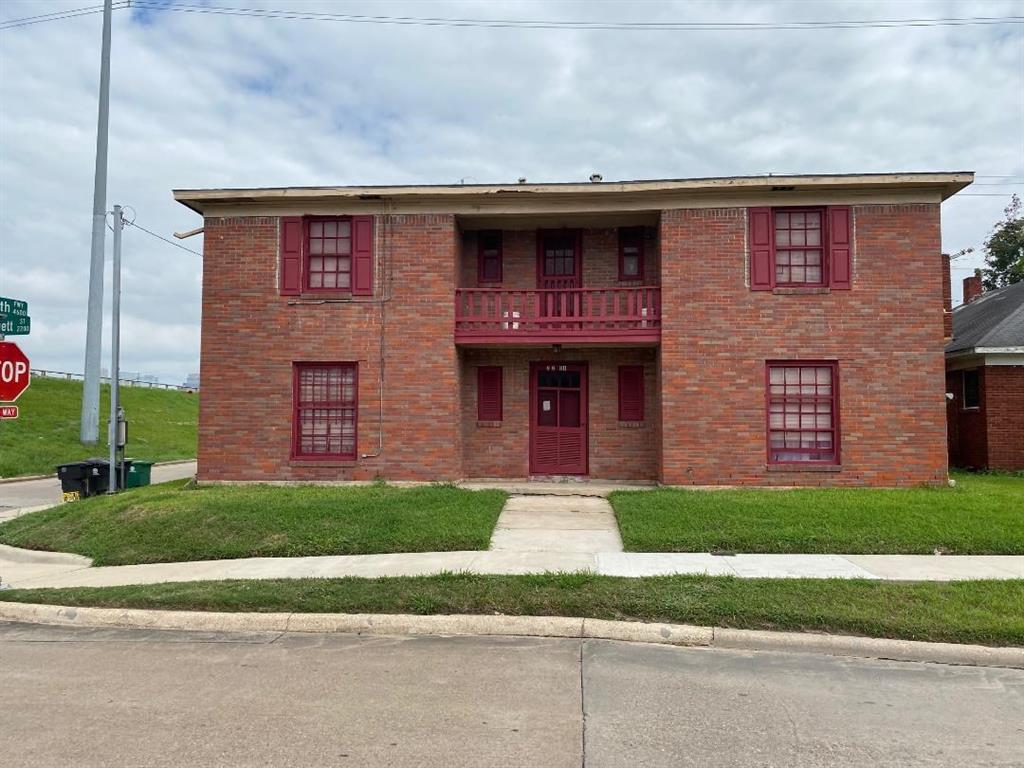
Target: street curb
point(47, 476)
point(521, 626)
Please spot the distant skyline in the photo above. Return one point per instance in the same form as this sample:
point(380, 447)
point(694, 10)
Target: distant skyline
point(201, 100)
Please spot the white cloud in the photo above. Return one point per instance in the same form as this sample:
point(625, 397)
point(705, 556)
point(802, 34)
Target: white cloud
point(204, 100)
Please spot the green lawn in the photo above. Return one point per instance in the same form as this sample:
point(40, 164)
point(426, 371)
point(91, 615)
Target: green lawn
point(987, 612)
point(984, 514)
point(162, 426)
point(176, 521)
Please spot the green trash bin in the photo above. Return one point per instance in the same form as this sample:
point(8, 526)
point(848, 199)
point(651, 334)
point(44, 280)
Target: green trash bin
point(137, 473)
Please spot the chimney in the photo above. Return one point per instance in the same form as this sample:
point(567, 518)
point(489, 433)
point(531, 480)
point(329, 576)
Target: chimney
point(947, 299)
point(972, 288)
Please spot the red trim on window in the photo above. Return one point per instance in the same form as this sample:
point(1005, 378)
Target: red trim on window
point(324, 269)
point(762, 267)
point(976, 405)
point(631, 393)
point(292, 242)
point(488, 393)
point(796, 262)
point(325, 411)
point(840, 247)
point(489, 256)
point(631, 244)
point(799, 405)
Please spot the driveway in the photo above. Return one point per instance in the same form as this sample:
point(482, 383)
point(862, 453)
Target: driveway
point(21, 496)
point(140, 697)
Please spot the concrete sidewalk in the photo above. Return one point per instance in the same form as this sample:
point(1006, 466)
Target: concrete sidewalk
point(19, 568)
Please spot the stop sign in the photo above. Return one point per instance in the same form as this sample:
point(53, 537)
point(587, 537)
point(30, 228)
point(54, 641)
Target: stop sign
point(14, 372)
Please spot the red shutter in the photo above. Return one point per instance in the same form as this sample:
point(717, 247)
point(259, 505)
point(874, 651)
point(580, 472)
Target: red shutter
point(762, 273)
point(631, 393)
point(840, 247)
point(488, 393)
point(362, 255)
point(292, 234)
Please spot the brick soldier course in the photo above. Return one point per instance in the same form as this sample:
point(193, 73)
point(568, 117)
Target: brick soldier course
point(706, 319)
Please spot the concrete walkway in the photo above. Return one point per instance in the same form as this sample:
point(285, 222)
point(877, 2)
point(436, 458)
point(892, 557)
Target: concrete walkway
point(534, 534)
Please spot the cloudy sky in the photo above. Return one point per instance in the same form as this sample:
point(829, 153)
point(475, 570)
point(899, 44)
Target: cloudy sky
point(222, 101)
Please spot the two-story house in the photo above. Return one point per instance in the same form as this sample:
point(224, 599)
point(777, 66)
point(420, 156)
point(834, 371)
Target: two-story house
point(753, 330)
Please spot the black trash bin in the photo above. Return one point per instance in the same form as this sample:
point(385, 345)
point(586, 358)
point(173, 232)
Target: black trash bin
point(72, 478)
point(97, 472)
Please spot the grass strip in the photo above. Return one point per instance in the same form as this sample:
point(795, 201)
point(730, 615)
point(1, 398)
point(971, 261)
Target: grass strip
point(984, 612)
point(174, 522)
point(982, 515)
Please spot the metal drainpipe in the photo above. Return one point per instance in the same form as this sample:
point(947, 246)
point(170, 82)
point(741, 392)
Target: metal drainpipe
point(385, 297)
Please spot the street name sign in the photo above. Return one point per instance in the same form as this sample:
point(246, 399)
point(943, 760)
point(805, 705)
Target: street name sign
point(12, 308)
point(15, 326)
point(15, 373)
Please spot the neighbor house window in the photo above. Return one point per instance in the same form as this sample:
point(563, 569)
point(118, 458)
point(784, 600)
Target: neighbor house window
point(631, 253)
point(326, 403)
point(329, 265)
point(803, 415)
point(488, 393)
point(972, 389)
point(489, 257)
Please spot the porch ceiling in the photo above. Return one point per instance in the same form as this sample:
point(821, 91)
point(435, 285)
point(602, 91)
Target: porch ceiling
point(578, 220)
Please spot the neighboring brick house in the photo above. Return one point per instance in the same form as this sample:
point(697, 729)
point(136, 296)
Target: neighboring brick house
point(985, 378)
point(781, 330)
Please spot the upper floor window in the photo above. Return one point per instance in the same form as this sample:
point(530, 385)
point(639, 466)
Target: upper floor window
point(489, 256)
point(804, 247)
point(799, 246)
point(320, 254)
point(631, 253)
point(803, 417)
point(329, 255)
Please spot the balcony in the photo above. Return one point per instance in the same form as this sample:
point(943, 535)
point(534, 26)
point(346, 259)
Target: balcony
point(558, 315)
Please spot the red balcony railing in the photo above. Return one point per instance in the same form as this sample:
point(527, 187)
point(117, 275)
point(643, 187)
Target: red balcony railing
point(553, 315)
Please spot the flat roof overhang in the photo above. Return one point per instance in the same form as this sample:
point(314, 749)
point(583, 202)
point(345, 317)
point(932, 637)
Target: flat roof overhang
point(474, 203)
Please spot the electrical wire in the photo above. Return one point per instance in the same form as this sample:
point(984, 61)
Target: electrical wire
point(158, 237)
point(429, 21)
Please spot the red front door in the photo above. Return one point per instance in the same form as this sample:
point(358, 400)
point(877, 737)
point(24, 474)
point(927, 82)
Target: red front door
point(558, 418)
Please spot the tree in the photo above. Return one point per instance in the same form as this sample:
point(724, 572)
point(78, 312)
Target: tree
point(1004, 249)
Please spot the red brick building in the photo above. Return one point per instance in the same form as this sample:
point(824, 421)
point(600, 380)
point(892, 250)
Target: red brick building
point(985, 379)
point(764, 330)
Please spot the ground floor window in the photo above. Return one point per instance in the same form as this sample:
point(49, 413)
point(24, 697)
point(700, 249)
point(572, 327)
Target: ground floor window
point(803, 414)
point(972, 389)
point(326, 404)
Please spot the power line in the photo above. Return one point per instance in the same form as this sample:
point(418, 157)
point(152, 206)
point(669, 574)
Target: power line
point(158, 237)
point(58, 15)
point(428, 21)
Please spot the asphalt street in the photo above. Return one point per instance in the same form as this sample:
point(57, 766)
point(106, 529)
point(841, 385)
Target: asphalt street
point(17, 497)
point(89, 697)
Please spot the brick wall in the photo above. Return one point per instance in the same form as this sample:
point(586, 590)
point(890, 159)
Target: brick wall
point(618, 451)
point(1003, 396)
point(887, 334)
point(600, 249)
point(251, 336)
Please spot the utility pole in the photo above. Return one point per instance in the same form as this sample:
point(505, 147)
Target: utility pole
point(90, 426)
point(115, 354)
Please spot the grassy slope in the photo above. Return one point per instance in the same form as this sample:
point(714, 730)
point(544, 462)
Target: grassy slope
point(984, 514)
point(987, 612)
point(162, 426)
point(171, 522)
